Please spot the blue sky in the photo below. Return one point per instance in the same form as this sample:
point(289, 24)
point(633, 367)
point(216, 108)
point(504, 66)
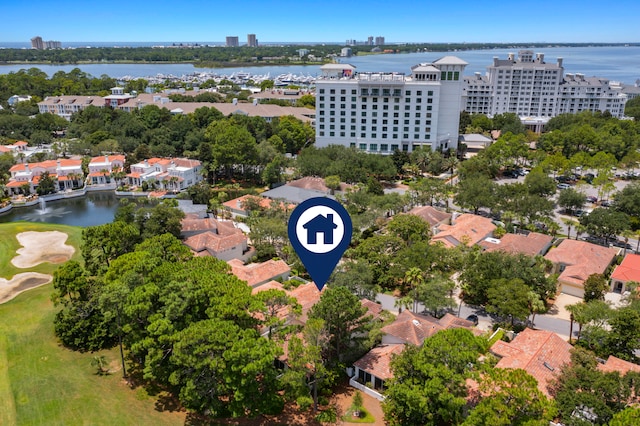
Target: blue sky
point(327, 20)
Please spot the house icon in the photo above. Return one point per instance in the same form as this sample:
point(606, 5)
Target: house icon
point(320, 224)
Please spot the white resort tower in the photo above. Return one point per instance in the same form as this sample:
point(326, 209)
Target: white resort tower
point(386, 111)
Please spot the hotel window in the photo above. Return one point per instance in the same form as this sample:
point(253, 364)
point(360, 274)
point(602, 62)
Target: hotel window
point(322, 126)
point(321, 90)
point(321, 105)
point(343, 106)
point(353, 99)
point(416, 136)
point(394, 147)
point(343, 99)
point(354, 91)
point(384, 136)
point(374, 136)
point(419, 93)
point(419, 100)
point(321, 98)
point(395, 129)
point(407, 107)
point(363, 146)
point(405, 136)
point(373, 147)
point(353, 135)
point(417, 122)
point(332, 98)
point(332, 126)
point(374, 128)
point(321, 133)
point(342, 91)
point(332, 91)
point(407, 93)
point(363, 135)
point(396, 107)
point(342, 134)
point(363, 128)
point(332, 106)
point(352, 145)
point(430, 93)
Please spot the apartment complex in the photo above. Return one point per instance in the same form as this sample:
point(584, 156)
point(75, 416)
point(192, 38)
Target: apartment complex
point(383, 112)
point(232, 41)
point(532, 88)
point(38, 43)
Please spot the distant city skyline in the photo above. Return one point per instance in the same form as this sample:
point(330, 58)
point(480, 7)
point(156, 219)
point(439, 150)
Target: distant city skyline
point(331, 21)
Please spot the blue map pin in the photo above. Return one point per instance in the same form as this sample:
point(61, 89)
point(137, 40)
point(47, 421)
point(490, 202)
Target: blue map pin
point(320, 232)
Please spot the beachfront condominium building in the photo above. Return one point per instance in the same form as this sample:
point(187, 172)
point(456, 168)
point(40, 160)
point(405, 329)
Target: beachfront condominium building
point(380, 41)
point(387, 111)
point(252, 41)
point(232, 41)
point(37, 43)
point(534, 89)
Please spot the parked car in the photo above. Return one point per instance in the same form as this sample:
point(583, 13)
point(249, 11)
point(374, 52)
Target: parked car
point(563, 186)
point(592, 199)
point(473, 318)
point(605, 203)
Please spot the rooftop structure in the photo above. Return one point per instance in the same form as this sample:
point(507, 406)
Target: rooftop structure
point(627, 271)
point(467, 229)
point(531, 244)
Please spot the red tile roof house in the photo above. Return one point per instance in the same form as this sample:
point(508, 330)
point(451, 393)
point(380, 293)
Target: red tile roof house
point(432, 216)
point(627, 271)
point(60, 170)
point(256, 274)
point(467, 229)
point(237, 206)
point(101, 168)
point(540, 353)
point(576, 260)
point(531, 244)
point(408, 328)
point(210, 237)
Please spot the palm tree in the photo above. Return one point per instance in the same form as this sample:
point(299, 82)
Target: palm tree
point(414, 278)
point(570, 222)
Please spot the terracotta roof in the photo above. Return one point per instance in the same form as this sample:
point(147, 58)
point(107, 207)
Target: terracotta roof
point(48, 164)
point(214, 243)
point(431, 215)
point(378, 360)
point(258, 273)
point(309, 182)
point(193, 224)
point(5, 149)
point(413, 328)
point(20, 143)
point(582, 259)
point(466, 228)
point(452, 321)
point(619, 365)
point(307, 295)
point(271, 285)
point(374, 309)
point(107, 159)
point(628, 270)
point(540, 353)
point(532, 244)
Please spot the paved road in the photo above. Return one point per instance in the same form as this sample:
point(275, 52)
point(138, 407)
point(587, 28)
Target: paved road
point(547, 322)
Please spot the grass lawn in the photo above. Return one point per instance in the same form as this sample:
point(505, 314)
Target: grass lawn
point(365, 417)
point(42, 383)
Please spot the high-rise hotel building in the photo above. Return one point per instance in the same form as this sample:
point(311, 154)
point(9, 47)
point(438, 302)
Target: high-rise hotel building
point(381, 112)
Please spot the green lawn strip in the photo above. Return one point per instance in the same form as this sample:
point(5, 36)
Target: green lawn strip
point(365, 417)
point(56, 386)
point(9, 244)
point(7, 406)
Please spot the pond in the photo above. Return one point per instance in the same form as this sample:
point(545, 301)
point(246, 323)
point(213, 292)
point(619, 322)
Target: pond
point(95, 208)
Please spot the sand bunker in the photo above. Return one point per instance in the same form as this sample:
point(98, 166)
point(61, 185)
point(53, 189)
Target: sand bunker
point(39, 247)
point(21, 282)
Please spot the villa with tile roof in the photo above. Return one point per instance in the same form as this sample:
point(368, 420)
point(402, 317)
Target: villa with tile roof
point(576, 260)
point(468, 229)
point(540, 353)
point(432, 216)
point(101, 168)
point(172, 174)
point(256, 274)
point(211, 237)
point(531, 244)
point(625, 272)
point(67, 173)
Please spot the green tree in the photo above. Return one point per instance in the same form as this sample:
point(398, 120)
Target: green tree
point(428, 387)
point(630, 415)
point(571, 200)
point(231, 145)
point(595, 287)
point(508, 298)
point(475, 192)
point(605, 223)
point(345, 320)
point(435, 293)
point(410, 228)
point(510, 397)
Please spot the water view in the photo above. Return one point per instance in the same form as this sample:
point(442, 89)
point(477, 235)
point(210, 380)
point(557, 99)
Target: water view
point(95, 208)
point(618, 63)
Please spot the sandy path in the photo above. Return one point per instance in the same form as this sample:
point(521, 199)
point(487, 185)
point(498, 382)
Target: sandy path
point(37, 247)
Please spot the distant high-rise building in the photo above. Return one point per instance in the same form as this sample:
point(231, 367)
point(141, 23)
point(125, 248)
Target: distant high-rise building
point(370, 40)
point(252, 41)
point(36, 43)
point(379, 41)
point(232, 41)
